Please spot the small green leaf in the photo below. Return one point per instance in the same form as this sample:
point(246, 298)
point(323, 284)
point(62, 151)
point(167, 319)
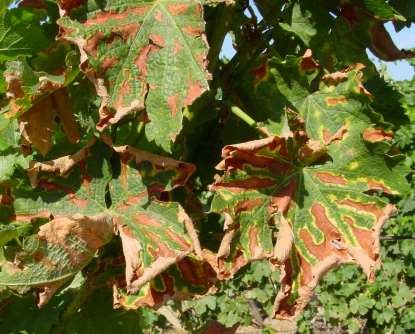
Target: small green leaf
point(383, 11)
point(403, 296)
point(299, 24)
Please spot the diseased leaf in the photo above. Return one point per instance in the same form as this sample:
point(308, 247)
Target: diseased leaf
point(37, 98)
point(64, 110)
point(61, 248)
point(144, 55)
point(384, 47)
point(319, 186)
point(372, 33)
point(188, 277)
point(154, 234)
point(92, 92)
point(63, 165)
point(25, 87)
point(158, 173)
point(153, 239)
point(36, 126)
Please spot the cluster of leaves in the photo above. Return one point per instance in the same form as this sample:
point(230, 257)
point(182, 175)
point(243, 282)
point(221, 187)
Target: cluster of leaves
point(345, 301)
point(113, 117)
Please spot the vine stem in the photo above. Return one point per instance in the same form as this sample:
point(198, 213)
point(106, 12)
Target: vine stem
point(244, 116)
point(397, 237)
point(249, 120)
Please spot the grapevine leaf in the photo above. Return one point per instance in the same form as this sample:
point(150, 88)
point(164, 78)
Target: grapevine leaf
point(4, 5)
point(61, 248)
point(35, 320)
point(273, 84)
point(10, 156)
point(153, 239)
point(12, 231)
point(37, 98)
point(407, 9)
point(300, 24)
point(383, 11)
point(21, 33)
point(158, 173)
point(9, 134)
point(146, 55)
point(372, 33)
point(319, 186)
point(65, 113)
point(36, 126)
point(25, 87)
point(10, 162)
point(154, 234)
point(384, 47)
point(97, 314)
point(188, 277)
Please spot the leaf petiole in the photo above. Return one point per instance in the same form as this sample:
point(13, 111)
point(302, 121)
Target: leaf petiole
point(243, 116)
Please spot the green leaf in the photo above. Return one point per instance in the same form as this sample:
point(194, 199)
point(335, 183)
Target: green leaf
point(258, 294)
point(8, 164)
point(273, 84)
point(97, 314)
point(210, 302)
point(407, 9)
point(4, 5)
point(34, 321)
point(9, 134)
point(151, 55)
point(292, 77)
point(11, 157)
point(12, 231)
point(299, 24)
point(361, 305)
point(383, 11)
point(21, 33)
point(402, 296)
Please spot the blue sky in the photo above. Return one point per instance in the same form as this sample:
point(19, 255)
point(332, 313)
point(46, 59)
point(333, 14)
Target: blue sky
point(405, 39)
point(398, 70)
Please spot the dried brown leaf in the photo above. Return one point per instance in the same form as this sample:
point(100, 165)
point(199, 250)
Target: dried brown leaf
point(60, 166)
point(36, 125)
